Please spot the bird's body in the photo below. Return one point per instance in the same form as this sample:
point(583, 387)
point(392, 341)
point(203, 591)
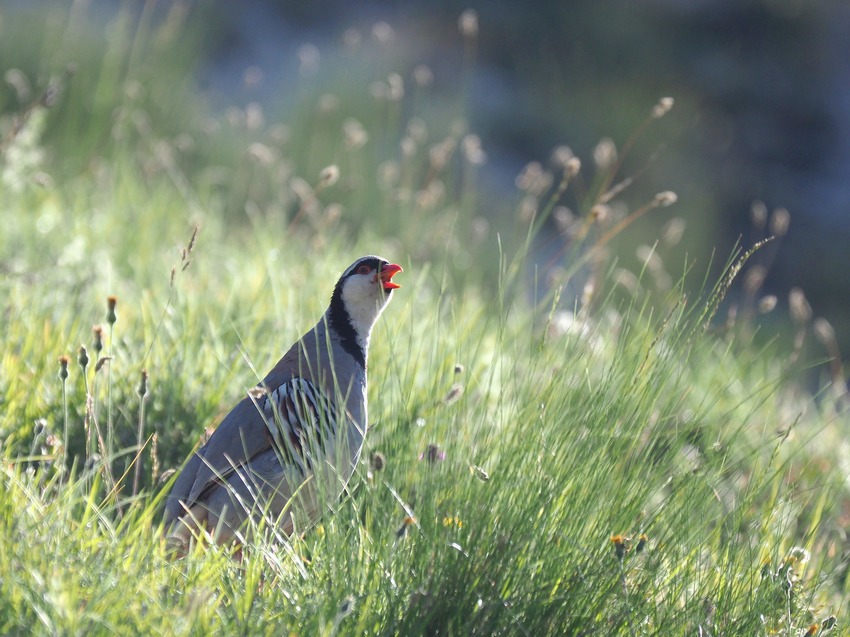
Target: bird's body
point(287, 449)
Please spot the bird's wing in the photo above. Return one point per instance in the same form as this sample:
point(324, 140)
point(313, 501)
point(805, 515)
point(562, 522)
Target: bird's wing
point(242, 434)
point(258, 423)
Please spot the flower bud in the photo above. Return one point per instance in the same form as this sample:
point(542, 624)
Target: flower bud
point(97, 330)
point(111, 302)
point(83, 357)
point(63, 367)
point(143, 384)
point(662, 108)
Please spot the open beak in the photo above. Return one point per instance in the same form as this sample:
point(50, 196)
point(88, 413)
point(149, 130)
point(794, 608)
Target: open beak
point(386, 275)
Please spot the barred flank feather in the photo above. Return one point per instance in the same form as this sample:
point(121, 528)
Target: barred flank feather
point(302, 421)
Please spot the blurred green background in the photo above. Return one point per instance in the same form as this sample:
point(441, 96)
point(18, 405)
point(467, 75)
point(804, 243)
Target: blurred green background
point(761, 118)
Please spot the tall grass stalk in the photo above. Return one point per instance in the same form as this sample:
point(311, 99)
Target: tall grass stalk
point(111, 318)
point(66, 439)
point(83, 360)
point(140, 433)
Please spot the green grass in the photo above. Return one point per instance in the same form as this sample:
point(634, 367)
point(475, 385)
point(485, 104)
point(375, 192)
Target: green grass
point(621, 464)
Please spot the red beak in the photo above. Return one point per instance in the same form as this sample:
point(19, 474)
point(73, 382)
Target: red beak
point(387, 274)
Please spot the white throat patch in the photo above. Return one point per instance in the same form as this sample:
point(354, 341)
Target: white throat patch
point(364, 300)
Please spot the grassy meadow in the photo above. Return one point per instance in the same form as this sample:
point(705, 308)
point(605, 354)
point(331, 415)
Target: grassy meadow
point(589, 449)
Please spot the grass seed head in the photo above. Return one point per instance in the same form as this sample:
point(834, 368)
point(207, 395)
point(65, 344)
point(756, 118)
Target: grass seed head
point(754, 278)
point(155, 468)
point(143, 383)
point(824, 332)
point(405, 525)
point(793, 565)
point(97, 331)
point(440, 154)
point(479, 473)
point(800, 309)
point(673, 231)
point(468, 24)
point(395, 87)
point(101, 362)
point(328, 103)
point(192, 240)
point(351, 39)
point(472, 151)
point(408, 147)
point(377, 461)
point(18, 80)
point(621, 545)
point(666, 198)
point(166, 475)
point(561, 155)
point(261, 154)
point(767, 303)
point(253, 77)
point(111, 302)
point(527, 209)
point(63, 367)
point(564, 218)
point(346, 608)
point(383, 33)
point(423, 76)
point(417, 129)
point(329, 175)
point(254, 117)
point(758, 214)
point(354, 135)
point(454, 394)
point(600, 213)
point(662, 108)
point(780, 220)
point(605, 153)
point(309, 59)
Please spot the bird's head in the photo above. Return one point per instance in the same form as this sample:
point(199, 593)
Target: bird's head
point(363, 292)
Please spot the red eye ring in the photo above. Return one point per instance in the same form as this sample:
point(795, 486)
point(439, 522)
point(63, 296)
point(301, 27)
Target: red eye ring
point(364, 269)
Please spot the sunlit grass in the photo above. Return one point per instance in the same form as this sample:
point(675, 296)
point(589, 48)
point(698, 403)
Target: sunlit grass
point(553, 450)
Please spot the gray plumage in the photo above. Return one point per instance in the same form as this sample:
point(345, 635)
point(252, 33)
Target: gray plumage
point(287, 450)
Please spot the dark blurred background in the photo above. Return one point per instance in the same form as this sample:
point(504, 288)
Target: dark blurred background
point(761, 89)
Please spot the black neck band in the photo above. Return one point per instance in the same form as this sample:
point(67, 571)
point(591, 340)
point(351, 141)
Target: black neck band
point(340, 322)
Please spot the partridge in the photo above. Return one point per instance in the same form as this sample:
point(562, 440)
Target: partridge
point(286, 451)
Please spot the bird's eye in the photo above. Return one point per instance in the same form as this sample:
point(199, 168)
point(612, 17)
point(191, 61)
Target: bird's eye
point(364, 269)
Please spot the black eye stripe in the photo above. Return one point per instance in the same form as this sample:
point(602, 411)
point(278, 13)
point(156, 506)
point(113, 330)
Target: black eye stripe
point(374, 264)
